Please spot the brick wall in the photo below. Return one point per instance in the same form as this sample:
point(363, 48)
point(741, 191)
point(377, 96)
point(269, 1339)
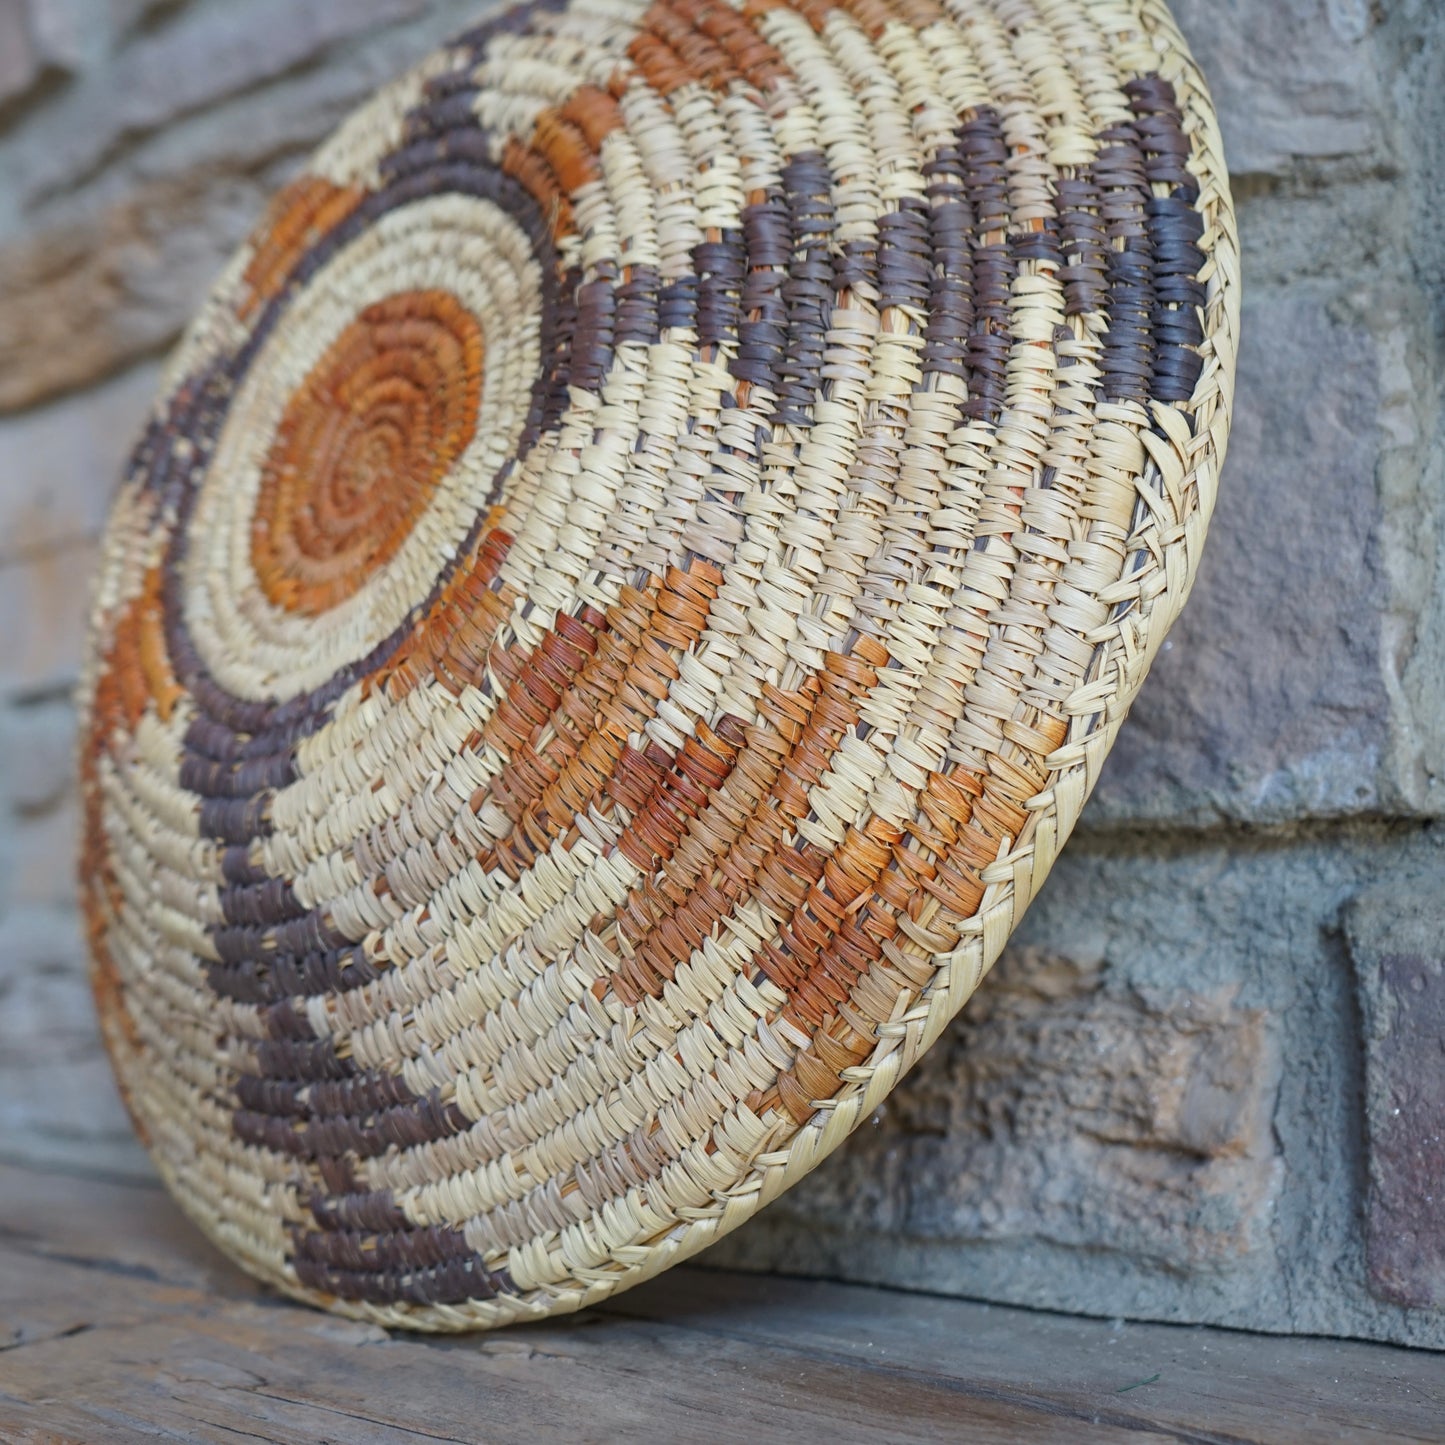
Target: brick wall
point(1204, 1082)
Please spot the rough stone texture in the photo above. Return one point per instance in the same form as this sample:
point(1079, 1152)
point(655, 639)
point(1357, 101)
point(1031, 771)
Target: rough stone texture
point(19, 64)
point(1069, 1109)
point(37, 852)
point(1283, 627)
point(59, 464)
point(1294, 80)
point(126, 15)
point(1397, 942)
point(209, 54)
point(1412, 472)
point(58, 1102)
point(1306, 677)
point(1173, 1100)
point(43, 603)
point(79, 300)
point(40, 40)
point(1153, 1109)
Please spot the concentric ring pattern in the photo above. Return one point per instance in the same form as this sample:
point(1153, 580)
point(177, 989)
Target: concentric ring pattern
point(632, 578)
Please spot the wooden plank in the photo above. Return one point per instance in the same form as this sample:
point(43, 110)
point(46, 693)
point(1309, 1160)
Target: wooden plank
point(118, 1321)
point(131, 1324)
point(1207, 1384)
point(175, 1360)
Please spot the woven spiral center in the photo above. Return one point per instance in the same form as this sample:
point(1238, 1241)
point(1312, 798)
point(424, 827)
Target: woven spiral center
point(362, 447)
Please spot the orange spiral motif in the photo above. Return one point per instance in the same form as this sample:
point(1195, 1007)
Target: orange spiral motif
point(631, 579)
point(362, 447)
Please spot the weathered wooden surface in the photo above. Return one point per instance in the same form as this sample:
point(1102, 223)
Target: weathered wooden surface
point(118, 1322)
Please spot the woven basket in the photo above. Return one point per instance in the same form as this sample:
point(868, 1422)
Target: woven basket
point(631, 579)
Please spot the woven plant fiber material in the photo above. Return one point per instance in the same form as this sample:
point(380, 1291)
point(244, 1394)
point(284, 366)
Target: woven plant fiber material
point(631, 579)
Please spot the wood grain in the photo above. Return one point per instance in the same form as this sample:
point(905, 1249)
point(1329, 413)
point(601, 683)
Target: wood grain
point(118, 1322)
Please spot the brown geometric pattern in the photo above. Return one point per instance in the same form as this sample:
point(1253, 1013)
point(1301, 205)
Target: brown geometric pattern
point(630, 581)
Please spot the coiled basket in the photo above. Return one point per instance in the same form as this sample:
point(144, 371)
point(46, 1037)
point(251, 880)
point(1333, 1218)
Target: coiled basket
point(631, 578)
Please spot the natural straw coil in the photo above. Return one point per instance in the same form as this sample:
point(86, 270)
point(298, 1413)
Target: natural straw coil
point(628, 585)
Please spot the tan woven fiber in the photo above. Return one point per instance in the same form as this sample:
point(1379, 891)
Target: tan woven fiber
point(634, 572)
